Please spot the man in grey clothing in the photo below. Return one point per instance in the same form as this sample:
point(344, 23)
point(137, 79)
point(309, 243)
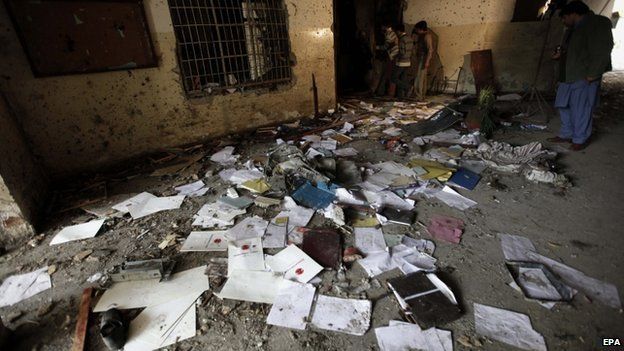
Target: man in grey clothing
point(400, 74)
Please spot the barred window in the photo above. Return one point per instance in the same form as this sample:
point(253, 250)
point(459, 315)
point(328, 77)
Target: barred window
point(225, 45)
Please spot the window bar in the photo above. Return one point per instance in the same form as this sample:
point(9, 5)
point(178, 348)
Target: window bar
point(214, 16)
point(201, 55)
point(195, 79)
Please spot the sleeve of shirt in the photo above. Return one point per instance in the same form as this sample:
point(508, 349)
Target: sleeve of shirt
point(600, 45)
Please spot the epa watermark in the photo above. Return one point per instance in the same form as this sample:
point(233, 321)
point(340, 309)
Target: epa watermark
point(613, 342)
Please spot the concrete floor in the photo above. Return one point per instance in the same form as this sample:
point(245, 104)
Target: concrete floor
point(581, 227)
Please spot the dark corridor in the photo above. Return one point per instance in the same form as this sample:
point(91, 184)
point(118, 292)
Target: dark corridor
point(357, 33)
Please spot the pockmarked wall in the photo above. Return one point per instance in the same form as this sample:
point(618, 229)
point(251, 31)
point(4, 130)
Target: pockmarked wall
point(464, 26)
point(86, 122)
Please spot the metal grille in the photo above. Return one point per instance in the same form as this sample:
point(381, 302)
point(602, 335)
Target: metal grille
point(231, 44)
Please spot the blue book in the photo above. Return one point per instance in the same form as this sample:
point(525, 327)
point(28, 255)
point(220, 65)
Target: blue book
point(465, 179)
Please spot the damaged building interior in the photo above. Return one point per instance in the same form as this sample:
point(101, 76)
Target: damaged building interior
point(311, 175)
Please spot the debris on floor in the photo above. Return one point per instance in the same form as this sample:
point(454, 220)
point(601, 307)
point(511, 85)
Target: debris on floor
point(507, 327)
point(298, 213)
point(22, 286)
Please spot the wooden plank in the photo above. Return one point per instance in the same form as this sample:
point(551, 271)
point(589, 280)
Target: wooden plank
point(83, 320)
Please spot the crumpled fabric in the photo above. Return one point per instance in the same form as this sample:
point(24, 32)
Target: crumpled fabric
point(505, 154)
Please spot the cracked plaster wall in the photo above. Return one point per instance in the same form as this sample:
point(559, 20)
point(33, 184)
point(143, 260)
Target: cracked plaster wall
point(85, 122)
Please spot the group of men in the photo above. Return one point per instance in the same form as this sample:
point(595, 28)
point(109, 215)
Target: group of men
point(408, 60)
point(584, 56)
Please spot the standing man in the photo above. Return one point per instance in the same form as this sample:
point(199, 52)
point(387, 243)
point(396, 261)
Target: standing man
point(400, 73)
point(425, 50)
point(391, 47)
point(587, 57)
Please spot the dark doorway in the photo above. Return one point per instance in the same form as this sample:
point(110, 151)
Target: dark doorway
point(357, 31)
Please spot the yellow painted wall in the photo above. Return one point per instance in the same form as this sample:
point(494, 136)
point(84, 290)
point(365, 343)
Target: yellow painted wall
point(83, 122)
point(464, 26)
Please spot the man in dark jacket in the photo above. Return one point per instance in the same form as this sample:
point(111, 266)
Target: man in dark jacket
point(587, 57)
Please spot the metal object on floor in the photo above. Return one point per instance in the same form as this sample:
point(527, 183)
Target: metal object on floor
point(143, 270)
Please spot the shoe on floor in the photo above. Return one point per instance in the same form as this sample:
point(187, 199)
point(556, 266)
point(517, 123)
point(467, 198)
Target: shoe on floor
point(113, 329)
point(578, 147)
point(559, 140)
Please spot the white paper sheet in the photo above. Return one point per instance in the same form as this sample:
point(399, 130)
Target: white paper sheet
point(154, 205)
point(395, 168)
point(225, 156)
point(245, 255)
point(292, 305)
point(344, 196)
point(124, 206)
point(516, 248)
point(454, 199)
point(162, 325)
point(217, 215)
point(346, 152)
point(22, 286)
point(298, 216)
point(295, 264)
point(195, 189)
point(369, 240)
point(342, 315)
point(78, 232)
point(422, 245)
point(250, 227)
point(240, 176)
point(507, 327)
point(253, 286)
point(205, 241)
point(276, 233)
point(325, 144)
point(143, 293)
point(405, 337)
point(410, 260)
point(383, 199)
point(377, 263)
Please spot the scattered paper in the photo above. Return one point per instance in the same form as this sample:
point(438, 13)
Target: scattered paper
point(346, 152)
point(295, 264)
point(162, 325)
point(250, 227)
point(276, 233)
point(369, 240)
point(77, 232)
point(516, 248)
point(20, 287)
point(225, 156)
point(154, 205)
point(245, 255)
point(217, 215)
point(253, 286)
point(507, 327)
point(377, 263)
point(144, 293)
point(124, 206)
point(408, 336)
point(454, 199)
point(342, 315)
point(537, 284)
point(205, 241)
point(298, 216)
point(292, 305)
point(193, 190)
